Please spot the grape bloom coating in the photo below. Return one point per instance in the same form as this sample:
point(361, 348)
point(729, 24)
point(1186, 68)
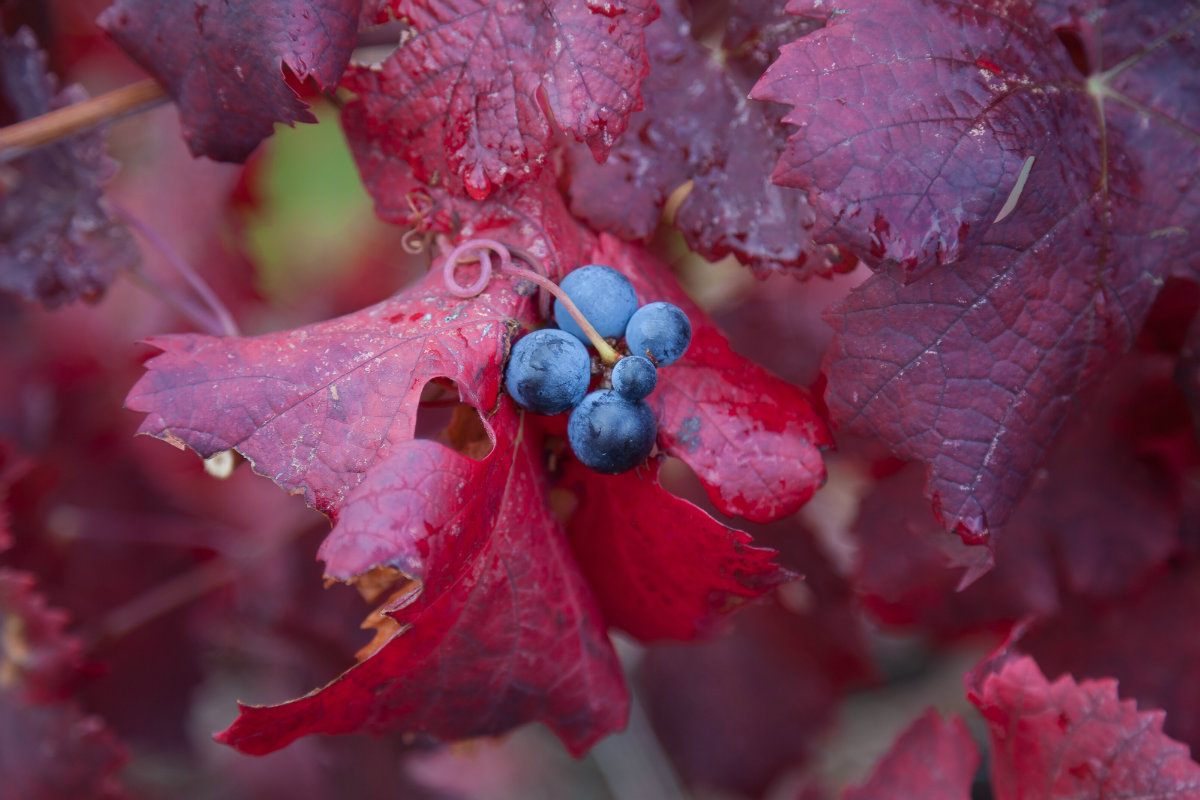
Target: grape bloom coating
point(660, 332)
point(548, 372)
point(611, 434)
point(634, 377)
point(604, 296)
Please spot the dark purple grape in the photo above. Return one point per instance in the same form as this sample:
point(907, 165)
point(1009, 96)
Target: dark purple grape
point(634, 377)
point(610, 434)
point(548, 371)
point(605, 296)
point(659, 331)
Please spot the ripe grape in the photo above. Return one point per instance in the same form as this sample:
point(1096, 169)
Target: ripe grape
point(610, 434)
point(660, 332)
point(634, 377)
point(605, 296)
point(548, 371)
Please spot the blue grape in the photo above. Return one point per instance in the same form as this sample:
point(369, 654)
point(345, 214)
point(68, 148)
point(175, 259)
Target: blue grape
point(610, 434)
point(634, 377)
point(548, 371)
point(659, 331)
point(605, 296)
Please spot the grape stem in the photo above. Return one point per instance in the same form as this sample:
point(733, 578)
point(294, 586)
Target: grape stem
point(482, 249)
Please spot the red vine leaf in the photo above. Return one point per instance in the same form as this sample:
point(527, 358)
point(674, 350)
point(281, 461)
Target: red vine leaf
point(727, 146)
point(1137, 642)
point(1074, 739)
point(1103, 477)
point(58, 240)
point(916, 121)
point(736, 710)
point(933, 759)
point(913, 126)
point(502, 629)
point(753, 439)
point(469, 99)
point(755, 30)
point(223, 63)
point(329, 409)
point(50, 748)
point(661, 568)
point(56, 751)
point(316, 407)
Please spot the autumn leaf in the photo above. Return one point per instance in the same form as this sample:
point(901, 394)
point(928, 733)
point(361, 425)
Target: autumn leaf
point(52, 749)
point(726, 146)
point(59, 241)
point(660, 567)
point(503, 628)
point(329, 409)
point(1121, 466)
point(223, 63)
point(932, 758)
point(1136, 640)
point(315, 408)
point(468, 100)
point(1074, 739)
point(917, 125)
point(753, 439)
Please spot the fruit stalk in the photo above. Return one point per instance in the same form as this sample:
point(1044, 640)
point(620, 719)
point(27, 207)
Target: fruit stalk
point(480, 247)
point(607, 354)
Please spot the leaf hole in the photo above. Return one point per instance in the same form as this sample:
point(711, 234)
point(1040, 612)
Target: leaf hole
point(1076, 49)
point(678, 478)
point(377, 43)
point(442, 417)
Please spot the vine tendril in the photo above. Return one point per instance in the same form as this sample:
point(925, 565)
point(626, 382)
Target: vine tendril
point(481, 250)
point(416, 238)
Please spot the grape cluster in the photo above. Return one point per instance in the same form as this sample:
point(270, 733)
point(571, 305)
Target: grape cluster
point(611, 430)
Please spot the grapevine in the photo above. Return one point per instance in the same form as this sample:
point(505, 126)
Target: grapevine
point(702, 382)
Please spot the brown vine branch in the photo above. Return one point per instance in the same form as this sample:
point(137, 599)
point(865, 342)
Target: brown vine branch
point(20, 137)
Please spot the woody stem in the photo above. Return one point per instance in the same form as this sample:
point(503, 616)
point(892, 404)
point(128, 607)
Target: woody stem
point(20, 137)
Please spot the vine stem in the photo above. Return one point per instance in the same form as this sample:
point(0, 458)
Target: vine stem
point(633, 762)
point(194, 311)
point(20, 137)
point(480, 249)
point(222, 322)
point(189, 586)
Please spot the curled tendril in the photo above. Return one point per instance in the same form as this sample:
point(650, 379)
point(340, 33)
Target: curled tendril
point(481, 250)
point(421, 205)
point(416, 239)
point(413, 241)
